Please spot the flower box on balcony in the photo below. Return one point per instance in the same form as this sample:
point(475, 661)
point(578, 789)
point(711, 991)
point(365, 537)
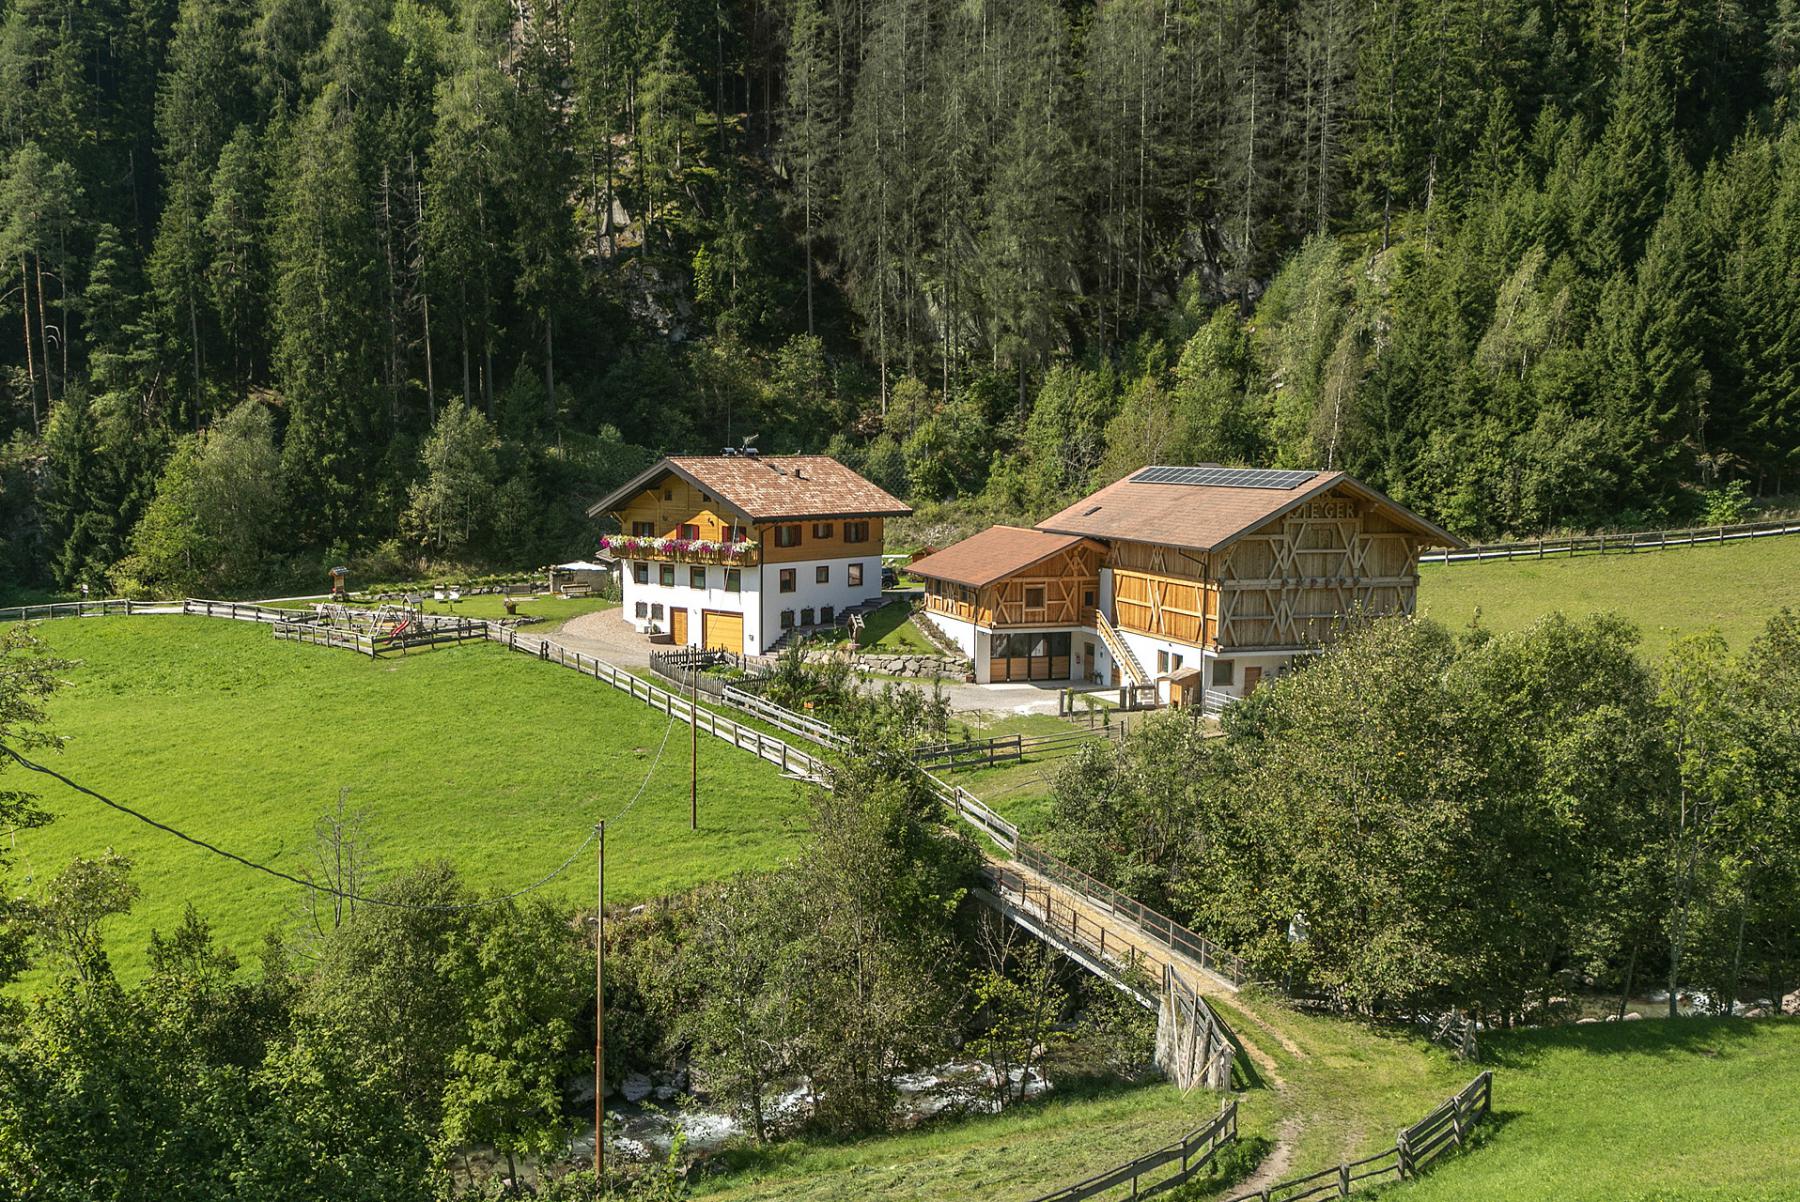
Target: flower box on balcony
point(699, 550)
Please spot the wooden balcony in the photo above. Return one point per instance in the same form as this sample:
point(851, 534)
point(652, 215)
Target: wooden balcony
point(682, 550)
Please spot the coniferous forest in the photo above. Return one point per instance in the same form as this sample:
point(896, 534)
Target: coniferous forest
point(383, 280)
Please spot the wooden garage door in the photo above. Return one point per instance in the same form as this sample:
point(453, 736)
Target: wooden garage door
point(724, 632)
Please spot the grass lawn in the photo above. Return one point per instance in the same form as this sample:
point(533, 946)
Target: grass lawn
point(1654, 1111)
point(1020, 791)
point(497, 762)
point(891, 629)
point(1735, 587)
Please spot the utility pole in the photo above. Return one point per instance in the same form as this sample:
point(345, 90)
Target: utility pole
point(694, 752)
point(600, 1010)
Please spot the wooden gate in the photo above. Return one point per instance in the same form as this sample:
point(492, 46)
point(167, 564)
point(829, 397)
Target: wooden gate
point(722, 631)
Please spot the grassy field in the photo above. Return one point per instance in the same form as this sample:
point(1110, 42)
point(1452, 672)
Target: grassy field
point(492, 760)
point(1345, 1088)
point(1734, 587)
point(1020, 1154)
point(1696, 1110)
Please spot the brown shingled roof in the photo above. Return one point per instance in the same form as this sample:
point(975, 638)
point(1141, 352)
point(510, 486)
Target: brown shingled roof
point(769, 487)
point(1204, 517)
point(995, 553)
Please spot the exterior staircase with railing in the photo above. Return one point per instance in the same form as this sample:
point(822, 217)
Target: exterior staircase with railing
point(1120, 650)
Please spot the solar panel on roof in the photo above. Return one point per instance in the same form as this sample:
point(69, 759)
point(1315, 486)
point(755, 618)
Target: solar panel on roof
point(1224, 477)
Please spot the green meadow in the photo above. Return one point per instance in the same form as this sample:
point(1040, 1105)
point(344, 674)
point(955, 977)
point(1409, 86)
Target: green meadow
point(492, 760)
point(1694, 1110)
point(1665, 594)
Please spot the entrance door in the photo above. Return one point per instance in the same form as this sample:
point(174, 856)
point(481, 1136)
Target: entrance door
point(722, 631)
point(678, 626)
point(1252, 678)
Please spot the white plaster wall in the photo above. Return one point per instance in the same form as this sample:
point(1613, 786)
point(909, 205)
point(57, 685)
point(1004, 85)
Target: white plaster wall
point(683, 596)
point(961, 633)
point(1269, 661)
point(809, 594)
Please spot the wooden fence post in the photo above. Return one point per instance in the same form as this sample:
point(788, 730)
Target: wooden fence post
point(1343, 1181)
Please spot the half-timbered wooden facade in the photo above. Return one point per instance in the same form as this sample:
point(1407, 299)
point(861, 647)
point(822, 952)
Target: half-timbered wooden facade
point(1206, 580)
point(1020, 603)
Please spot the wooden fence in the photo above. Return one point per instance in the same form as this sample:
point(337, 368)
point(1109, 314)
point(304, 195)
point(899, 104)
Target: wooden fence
point(999, 749)
point(791, 760)
point(1414, 1148)
point(68, 609)
point(244, 611)
point(1614, 544)
point(1191, 1153)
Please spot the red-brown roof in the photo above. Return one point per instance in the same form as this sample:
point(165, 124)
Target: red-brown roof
point(1205, 517)
point(994, 554)
point(769, 487)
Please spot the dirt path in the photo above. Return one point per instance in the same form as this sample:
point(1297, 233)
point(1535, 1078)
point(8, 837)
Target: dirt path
point(1275, 1165)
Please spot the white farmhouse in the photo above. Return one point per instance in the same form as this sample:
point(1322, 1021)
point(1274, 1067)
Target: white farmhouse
point(730, 551)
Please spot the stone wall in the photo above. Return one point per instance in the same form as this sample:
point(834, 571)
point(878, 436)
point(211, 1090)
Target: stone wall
point(926, 666)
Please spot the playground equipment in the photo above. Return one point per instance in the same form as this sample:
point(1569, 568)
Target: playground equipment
point(339, 576)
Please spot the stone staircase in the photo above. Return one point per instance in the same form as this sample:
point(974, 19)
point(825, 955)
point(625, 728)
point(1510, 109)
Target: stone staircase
point(937, 638)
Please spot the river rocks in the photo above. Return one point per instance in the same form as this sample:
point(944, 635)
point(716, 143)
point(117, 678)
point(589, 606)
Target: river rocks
point(1791, 1003)
point(636, 1087)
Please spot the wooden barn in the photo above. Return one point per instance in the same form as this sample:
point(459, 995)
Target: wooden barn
point(1202, 581)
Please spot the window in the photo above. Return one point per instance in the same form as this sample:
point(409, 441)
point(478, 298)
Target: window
point(856, 575)
point(826, 613)
point(787, 536)
point(822, 574)
point(689, 530)
point(1162, 662)
point(640, 572)
point(734, 580)
point(1174, 663)
point(856, 532)
point(1031, 646)
point(656, 612)
point(1224, 672)
point(1034, 596)
point(643, 529)
point(705, 499)
point(665, 575)
point(787, 580)
point(787, 619)
point(806, 618)
point(696, 577)
point(642, 609)
point(1087, 598)
point(668, 494)
point(821, 529)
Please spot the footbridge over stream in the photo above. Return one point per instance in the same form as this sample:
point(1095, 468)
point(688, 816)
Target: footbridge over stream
point(1144, 954)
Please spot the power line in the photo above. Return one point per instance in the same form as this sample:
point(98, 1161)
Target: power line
point(363, 898)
